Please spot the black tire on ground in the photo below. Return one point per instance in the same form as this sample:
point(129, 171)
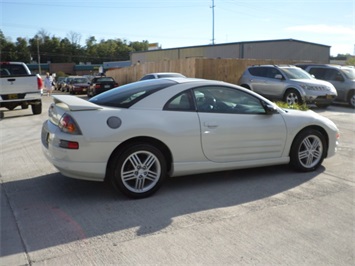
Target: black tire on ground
point(36, 108)
point(308, 150)
point(138, 171)
point(351, 99)
point(292, 96)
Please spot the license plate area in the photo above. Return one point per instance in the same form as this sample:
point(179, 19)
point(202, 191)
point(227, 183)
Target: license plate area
point(45, 138)
point(12, 96)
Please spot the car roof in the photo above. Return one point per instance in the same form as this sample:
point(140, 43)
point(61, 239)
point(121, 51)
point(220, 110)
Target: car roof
point(280, 66)
point(160, 73)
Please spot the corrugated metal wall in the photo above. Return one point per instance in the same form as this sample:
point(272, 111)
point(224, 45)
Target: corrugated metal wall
point(261, 50)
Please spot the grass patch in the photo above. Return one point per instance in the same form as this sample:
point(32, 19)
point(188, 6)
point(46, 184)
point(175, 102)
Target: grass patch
point(302, 107)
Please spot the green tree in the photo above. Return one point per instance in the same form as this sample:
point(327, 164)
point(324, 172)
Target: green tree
point(23, 53)
point(45, 48)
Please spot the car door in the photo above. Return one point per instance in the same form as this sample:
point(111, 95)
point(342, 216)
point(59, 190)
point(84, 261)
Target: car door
point(266, 83)
point(333, 76)
point(274, 86)
point(235, 126)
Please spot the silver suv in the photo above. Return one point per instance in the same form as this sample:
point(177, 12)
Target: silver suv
point(342, 77)
point(288, 83)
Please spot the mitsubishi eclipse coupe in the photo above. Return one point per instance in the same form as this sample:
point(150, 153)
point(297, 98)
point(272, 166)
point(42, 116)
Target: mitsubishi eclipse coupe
point(139, 134)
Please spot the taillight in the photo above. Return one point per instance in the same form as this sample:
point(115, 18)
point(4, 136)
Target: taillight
point(97, 86)
point(39, 82)
point(71, 145)
point(67, 124)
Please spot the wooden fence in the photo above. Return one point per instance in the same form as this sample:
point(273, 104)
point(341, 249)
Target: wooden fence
point(228, 70)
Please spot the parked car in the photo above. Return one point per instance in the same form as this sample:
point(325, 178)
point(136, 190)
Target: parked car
point(101, 84)
point(66, 83)
point(138, 134)
point(79, 85)
point(288, 83)
point(60, 81)
point(162, 75)
point(342, 78)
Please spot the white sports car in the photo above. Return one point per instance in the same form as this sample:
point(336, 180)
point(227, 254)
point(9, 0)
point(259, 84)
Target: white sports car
point(138, 134)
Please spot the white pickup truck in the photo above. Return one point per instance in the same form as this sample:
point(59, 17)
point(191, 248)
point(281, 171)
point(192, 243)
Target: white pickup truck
point(18, 87)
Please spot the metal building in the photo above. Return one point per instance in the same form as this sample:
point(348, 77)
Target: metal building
point(285, 49)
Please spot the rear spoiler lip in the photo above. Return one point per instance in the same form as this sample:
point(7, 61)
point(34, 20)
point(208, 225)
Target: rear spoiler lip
point(75, 103)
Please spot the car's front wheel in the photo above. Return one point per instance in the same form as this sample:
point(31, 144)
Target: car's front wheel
point(308, 150)
point(292, 96)
point(351, 99)
point(138, 171)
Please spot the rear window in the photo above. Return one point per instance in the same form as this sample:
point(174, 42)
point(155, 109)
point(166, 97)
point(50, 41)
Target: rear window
point(12, 69)
point(127, 95)
point(104, 79)
point(80, 80)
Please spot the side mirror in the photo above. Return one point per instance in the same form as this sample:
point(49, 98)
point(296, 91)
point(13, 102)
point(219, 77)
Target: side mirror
point(270, 109)
point(278, 76)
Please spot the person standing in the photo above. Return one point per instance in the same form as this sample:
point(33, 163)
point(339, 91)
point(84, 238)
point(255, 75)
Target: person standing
point(48, 84)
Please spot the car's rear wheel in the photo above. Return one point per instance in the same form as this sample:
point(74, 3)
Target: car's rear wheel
point(36, 108)
point(292, 96)
point(138, 171)
point(308, 150)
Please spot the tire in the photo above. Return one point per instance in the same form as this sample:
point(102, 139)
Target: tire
point(36, 108)
point(308, 150)
point(292, 96)
point(351, 99)
point(138, 171)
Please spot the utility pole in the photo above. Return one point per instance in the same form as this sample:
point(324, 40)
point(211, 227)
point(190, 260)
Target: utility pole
point(39, 58)
point(212, 21)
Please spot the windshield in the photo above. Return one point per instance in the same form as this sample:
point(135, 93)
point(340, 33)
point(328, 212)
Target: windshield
point(296, 73)
point(127, 95)
point(349, 72)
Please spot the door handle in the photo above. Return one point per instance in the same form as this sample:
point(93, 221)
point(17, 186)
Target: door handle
point(210, 124)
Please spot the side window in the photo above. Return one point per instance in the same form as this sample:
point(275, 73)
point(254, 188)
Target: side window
point(272, 72)
point(258, 71)
point(4, 72)
point(318, 73)
point(147, 77)
point(334, 74)
point(220, 99)
point(181, 102)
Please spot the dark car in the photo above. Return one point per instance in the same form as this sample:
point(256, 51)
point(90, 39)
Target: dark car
point(79, 85)
point(101, 84)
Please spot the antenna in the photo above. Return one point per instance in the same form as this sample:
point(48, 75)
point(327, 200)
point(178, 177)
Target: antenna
point(212, 21)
